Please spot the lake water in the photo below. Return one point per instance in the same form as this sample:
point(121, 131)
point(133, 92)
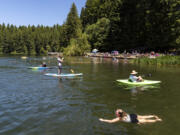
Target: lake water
point(34, 104)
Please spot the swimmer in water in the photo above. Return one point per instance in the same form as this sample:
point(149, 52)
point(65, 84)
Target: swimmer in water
point(132, 118)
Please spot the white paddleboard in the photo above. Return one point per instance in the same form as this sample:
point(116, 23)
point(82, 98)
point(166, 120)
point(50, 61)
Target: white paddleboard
point(63, 74)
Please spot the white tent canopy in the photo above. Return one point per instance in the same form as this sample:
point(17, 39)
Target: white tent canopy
point(95, 50)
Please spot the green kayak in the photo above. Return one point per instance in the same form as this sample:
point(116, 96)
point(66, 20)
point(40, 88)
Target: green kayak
point(145, 82)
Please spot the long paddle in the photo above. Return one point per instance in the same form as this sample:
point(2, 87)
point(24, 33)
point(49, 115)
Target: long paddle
point(147, 75)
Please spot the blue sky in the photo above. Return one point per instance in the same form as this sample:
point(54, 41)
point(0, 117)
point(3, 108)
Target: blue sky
point(34, 12)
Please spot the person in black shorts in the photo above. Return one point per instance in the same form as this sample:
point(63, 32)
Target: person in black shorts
point(132, 118)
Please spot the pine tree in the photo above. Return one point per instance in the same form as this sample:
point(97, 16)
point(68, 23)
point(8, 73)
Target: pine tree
point(73, 25)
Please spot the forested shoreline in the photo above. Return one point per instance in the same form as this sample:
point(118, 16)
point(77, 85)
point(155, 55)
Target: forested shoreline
point(106, 25)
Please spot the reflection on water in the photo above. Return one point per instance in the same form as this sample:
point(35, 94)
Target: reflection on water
point(66, 78)
point(136, 89)
point(142, 88)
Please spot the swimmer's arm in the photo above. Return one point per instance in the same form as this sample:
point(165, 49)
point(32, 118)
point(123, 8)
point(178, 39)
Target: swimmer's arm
point(110, 121)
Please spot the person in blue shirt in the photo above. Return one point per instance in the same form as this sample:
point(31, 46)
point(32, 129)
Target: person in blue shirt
point(134, 78)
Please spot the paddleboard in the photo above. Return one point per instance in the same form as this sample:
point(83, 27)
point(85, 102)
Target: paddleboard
point(145, 82)
point(39, 68)
point(63, 74)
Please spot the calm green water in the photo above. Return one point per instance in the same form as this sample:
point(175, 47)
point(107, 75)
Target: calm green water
point(34, 104)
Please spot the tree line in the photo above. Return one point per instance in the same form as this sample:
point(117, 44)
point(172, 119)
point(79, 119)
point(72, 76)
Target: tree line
point(103, 24)
point(133, 24)
point(39, 40)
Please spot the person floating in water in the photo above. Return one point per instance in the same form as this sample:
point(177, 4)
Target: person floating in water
point(44, 64)
point(132, 118)
point(134, 78)
point(60, 60)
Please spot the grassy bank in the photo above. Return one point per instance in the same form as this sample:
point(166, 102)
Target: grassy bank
point(162, 60)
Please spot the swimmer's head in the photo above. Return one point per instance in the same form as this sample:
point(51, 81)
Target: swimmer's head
point(120, 113)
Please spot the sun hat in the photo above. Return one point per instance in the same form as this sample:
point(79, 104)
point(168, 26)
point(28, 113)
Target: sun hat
point(134, 72)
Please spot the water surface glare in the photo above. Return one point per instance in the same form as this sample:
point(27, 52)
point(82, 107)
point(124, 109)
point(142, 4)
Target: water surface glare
point(34, 104)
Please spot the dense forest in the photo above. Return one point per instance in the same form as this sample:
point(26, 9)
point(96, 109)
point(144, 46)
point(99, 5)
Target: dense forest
point(106, 25)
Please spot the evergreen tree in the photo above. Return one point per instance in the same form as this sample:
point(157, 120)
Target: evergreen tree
point(90, 14)
point(82, 17)
point(73, 25)
point(78, 46)
point(97, 34)
point(107, 25)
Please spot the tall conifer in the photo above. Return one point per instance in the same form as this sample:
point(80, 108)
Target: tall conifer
point(73, 24)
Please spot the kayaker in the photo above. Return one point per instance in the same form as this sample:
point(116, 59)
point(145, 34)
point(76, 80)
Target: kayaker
point(44, 64)
point(134, 78)
point(60, 60)
point(132, 118)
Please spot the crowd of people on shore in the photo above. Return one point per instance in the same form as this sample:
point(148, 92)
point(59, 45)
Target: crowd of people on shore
point(128, 55)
